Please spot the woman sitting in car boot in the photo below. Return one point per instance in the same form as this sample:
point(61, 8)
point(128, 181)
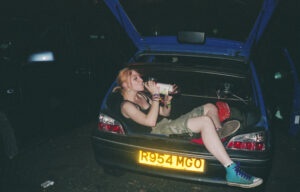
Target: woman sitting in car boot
point(146, 111)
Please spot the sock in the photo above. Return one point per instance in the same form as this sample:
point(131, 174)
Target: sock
point(229, 164)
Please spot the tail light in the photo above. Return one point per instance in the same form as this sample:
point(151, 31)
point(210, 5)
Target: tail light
point(248, 142)
point(109, 124)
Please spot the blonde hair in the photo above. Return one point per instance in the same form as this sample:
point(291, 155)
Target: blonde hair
point(122, 77)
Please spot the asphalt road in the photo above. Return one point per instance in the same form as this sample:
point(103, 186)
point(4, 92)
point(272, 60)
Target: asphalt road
point(68, 162)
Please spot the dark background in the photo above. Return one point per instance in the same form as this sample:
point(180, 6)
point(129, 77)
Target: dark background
point(51, 98)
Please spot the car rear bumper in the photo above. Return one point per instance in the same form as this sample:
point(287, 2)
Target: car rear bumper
point(125, 156)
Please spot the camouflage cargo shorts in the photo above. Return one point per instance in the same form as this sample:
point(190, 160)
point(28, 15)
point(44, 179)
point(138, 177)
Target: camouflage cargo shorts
point(177, 126)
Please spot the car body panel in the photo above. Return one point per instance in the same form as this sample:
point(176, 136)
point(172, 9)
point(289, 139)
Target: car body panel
point(263, 19)
point(123, 154)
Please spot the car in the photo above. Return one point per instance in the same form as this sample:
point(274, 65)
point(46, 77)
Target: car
point(204, 47)
point(43, 83)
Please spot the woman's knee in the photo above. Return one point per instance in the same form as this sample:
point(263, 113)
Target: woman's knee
point(200, 123)
point(206, 119)
point(209, 107)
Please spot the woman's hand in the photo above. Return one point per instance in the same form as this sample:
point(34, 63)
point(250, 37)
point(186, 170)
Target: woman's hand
point(175, 89)
point(167, 99)
point(151, 87)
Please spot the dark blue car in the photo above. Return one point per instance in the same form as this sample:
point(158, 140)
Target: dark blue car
point(205, 48)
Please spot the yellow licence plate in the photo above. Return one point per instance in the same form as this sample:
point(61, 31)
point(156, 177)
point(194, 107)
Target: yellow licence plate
point(171, 161)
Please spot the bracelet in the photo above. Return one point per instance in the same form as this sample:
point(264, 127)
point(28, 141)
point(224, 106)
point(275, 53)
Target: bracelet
point(168, 105)
point(156, 96)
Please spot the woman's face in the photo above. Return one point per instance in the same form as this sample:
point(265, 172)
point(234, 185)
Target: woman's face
point(136, 82)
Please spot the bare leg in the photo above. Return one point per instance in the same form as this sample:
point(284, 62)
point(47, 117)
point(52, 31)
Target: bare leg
point(212, 111)
point(205, 125)
point(235, 176)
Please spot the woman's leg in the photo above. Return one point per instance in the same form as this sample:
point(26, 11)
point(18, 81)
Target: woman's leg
point(228, 128)
point(212, 111)
point(211, 140)
point(235, 176)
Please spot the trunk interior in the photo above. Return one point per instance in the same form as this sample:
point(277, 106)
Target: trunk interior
point(247, 114)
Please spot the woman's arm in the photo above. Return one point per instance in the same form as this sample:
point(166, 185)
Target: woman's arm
point(149, 119)
point(129, 110)
point(166, 108)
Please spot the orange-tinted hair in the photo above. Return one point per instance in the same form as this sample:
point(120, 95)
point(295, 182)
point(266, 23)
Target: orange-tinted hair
point(123, 76)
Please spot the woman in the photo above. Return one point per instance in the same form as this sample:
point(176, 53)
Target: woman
point(204, 119)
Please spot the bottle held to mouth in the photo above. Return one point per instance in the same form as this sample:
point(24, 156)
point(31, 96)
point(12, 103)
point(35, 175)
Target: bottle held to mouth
point(164, 88)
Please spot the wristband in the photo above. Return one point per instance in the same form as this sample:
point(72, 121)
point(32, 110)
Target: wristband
point(156, 96)
point(168, 105)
